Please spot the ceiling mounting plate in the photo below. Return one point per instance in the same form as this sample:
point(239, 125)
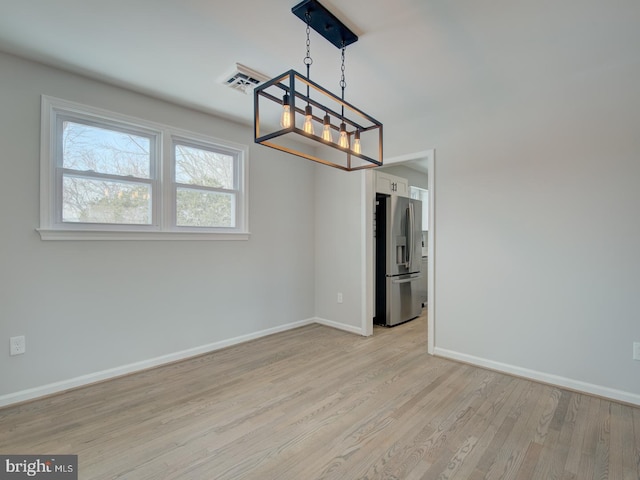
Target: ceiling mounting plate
point(325, 23)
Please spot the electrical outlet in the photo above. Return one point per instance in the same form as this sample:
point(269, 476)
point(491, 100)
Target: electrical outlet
point(636, 350)
point(17, 345)
point(339, 297)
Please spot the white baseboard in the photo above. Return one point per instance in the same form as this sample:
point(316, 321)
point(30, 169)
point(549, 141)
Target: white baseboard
point(84, 380)
point(563, 382)
point(339, 326)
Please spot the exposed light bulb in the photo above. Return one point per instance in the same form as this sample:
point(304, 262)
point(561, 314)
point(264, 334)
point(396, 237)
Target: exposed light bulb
point(308, 124)
point(285, 118)
point(343, 141)
point(356, 143)
point(326, 129)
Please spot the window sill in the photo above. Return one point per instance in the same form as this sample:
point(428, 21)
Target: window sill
point(50, 234)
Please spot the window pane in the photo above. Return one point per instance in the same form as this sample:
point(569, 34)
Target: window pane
point(85, 147)
point(198, 208)
point(195, 166)
point(103, 201)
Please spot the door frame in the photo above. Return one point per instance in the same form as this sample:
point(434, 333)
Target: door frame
point(367, 209)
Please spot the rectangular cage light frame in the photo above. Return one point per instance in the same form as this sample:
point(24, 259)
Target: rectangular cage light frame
point(354, 119)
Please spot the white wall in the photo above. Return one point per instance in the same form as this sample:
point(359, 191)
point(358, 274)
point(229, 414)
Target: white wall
point(537, 228)
point(88, 307)
point(338, 256)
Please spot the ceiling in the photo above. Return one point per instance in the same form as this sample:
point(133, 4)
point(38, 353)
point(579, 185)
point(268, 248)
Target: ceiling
point(413, 57)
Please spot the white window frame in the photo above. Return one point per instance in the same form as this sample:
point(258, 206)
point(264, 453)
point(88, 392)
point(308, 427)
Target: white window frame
point(236, 192)
point(162, 175)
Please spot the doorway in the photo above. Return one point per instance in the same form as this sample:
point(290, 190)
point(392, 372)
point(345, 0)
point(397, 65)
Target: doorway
point(421, 161)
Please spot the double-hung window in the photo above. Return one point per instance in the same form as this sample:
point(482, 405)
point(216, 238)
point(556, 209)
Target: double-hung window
point(206, 182)
point(107, 176)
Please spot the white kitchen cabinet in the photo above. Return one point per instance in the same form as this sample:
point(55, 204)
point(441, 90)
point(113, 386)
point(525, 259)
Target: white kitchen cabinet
point(422, 195)
point(391, 184)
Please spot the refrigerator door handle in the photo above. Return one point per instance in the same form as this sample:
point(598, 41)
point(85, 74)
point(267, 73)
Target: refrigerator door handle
point(407, 280)
point(410, 238)
point(407, 236)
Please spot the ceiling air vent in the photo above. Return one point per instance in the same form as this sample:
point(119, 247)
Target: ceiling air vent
point(244, 79)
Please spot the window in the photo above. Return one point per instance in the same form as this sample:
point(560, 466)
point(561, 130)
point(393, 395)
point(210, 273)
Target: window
point(107, 176)
point(206, 186)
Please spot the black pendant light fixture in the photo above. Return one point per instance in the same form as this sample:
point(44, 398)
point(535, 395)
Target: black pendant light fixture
point(294, 114)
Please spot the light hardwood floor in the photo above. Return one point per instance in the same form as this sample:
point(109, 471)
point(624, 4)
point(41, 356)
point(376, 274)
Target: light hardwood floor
point(318, 403)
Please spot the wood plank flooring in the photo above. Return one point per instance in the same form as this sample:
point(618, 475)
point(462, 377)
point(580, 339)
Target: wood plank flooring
point(318, 403)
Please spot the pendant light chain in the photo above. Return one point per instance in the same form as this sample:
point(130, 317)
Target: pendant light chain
point(308, 60)
point(308, 112)
point(343, 83)
point(343, 140)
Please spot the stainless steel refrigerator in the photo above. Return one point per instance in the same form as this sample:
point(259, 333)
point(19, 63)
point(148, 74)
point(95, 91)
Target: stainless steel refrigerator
point(398, 227)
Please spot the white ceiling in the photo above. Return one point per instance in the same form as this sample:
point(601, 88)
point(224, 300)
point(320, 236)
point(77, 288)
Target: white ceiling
point(413, 56)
